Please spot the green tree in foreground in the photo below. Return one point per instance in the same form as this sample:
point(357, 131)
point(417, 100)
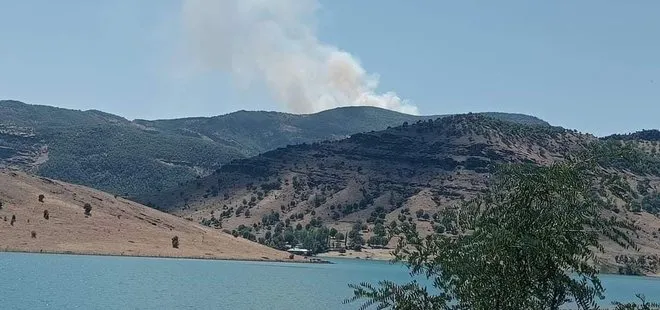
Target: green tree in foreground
point(632, 306)
point(529, 243)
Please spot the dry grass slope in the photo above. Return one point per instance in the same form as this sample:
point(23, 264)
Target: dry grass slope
point(115, 227)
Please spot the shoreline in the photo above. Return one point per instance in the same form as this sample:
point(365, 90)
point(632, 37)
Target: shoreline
point(262, 260)
point(318, 259)
point(365, 254)
point(384, 255)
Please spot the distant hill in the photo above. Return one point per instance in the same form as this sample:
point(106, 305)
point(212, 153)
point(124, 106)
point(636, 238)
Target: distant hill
point(645, 135)
point(102, 150)
point(405, 173)
point(142, 158)
point(258, 132)
point(115, 226)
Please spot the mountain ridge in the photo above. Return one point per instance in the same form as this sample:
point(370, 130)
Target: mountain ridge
point(140, 158)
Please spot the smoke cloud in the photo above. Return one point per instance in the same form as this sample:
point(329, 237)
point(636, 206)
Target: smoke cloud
point(274, 42)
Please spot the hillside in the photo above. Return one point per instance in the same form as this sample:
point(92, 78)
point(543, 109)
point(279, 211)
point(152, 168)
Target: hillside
point(115, 226)
point(642, 135)
point(451, 156)
point(138, 159)
point(258, 132)
point(102, 150)
point(405, 173)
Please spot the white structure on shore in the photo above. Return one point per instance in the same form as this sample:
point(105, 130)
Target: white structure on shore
point(298, 251)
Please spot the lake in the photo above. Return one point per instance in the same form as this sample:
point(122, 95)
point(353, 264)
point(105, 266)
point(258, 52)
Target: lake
point(36, 281)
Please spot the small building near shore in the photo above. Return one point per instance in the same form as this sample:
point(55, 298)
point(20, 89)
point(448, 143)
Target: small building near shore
point(298, 251)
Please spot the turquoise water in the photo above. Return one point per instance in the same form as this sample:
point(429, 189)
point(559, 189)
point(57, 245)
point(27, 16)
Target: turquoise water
point(34, 281)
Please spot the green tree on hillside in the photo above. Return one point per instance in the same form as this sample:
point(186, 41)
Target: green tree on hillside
point(355, 240)
point(527, 244)
point(380, 236)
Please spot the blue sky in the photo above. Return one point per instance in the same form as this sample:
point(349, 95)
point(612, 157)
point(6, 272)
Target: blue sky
point(593, 65)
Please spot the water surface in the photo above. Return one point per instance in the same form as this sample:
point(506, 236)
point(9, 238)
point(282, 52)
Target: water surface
point(35, 281)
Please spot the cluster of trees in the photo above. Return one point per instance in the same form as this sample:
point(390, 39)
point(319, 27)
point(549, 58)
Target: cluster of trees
point(379, 237)
point(213, 222)
point(277, 234)
point(528, 243)
point(314, 238)
point(651, 203)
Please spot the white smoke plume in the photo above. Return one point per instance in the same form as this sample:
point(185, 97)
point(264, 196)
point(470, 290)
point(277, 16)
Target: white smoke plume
point(274, 42)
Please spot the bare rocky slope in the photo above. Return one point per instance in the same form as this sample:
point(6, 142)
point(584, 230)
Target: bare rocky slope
point(405, 173)
point(115, 226)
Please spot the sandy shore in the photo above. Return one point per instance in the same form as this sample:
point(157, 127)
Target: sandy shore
point(369, 254)
point(283, 260)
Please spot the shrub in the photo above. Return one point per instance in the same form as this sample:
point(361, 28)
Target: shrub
point(88, 209)
point(0, 205)
point(175, 242)
point(13, 220)
point(270, 219)
point(41, 197)
point(33, 234)
point(46, 214)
